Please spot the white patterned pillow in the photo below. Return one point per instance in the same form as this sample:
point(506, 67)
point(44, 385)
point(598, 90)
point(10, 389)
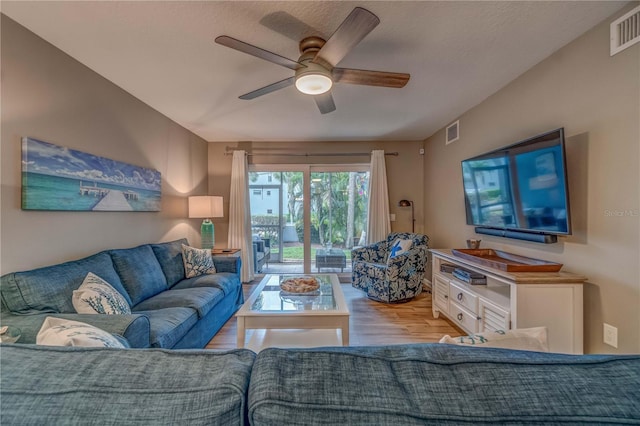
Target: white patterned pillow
point(525, 339)
point(96, 296)
point(197, 261)
point(62, 332)
point(398, 247)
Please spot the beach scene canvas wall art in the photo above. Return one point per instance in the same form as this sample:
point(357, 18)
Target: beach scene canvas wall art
point(59, 178)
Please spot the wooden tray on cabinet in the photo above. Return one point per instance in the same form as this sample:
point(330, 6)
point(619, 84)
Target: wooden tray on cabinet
point(506, 261)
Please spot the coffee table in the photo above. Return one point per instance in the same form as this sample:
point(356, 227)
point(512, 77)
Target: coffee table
point(295, 320)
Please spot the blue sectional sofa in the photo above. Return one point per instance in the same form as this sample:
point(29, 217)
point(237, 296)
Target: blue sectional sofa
point(168, 310)
point(425, 384)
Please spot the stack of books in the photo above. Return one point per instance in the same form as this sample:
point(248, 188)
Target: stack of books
point(447, 267)
point(470, 277)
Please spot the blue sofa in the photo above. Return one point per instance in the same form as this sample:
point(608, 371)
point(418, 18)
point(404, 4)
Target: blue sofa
point(424, 384)
point(168, 310)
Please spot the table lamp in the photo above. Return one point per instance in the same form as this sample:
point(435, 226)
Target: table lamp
point(205, 206)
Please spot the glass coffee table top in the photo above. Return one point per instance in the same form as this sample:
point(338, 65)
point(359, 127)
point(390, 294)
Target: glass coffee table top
point(273, 299)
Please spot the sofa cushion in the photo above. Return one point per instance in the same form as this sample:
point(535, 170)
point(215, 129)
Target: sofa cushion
point(170, 257)
point(88, 386)
point(169, 325)
point(96, 296)
point(225, 281)
point(63, 332)
point(441, 384)
point(140, 272)
point(50, 289)
point(201, 299)
point(197, 261)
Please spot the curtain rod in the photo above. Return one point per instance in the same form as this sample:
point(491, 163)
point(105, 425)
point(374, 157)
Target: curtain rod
point(333, 154)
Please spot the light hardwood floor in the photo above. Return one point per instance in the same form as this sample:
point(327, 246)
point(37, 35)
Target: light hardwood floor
point(371, 323)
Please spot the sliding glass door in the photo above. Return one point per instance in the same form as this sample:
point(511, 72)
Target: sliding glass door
point(311, 215)
point(276, 214)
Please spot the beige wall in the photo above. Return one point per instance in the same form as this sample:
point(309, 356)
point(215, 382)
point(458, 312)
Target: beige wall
point(52, 97)
point(595, 97)
point(404, 172)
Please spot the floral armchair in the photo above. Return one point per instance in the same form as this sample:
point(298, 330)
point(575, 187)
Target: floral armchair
point(387, 273)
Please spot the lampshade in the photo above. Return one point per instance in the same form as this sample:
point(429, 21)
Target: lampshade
point(205, 206)
point(404, 203)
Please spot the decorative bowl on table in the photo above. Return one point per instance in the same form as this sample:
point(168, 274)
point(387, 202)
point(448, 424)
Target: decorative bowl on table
point(299, 284)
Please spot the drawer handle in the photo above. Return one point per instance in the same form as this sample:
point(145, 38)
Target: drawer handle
point(446, 296)
point(460, 317)
point(460, 296)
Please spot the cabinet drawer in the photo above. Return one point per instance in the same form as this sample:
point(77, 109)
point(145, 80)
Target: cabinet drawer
point(463, 297)
point(441, 294)
point(464, 318)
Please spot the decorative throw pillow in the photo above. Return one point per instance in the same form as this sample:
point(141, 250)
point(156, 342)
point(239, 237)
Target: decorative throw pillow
point(197, 261)
point(526, 339)
point(62, 332)
point(398, 247)
point(96, 296)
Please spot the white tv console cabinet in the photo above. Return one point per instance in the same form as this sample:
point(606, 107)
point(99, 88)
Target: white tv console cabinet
point(511, 300)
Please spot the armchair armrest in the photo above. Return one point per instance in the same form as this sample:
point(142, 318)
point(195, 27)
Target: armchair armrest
point(135, 328)
point(227, 263)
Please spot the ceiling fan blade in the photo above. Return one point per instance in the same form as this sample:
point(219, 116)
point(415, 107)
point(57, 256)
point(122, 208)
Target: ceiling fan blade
point(325, 102)
point(270, 88)
point(370, 78)
point(257, 52)
point(288, 25)
point(353, 29)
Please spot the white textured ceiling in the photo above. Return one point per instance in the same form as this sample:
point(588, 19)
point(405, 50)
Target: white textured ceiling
point(458, 54)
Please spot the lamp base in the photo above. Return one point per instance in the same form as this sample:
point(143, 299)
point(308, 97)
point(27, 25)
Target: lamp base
point(207, 234)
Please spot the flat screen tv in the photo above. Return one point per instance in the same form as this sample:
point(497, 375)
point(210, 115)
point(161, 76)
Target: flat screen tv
point(521, 187)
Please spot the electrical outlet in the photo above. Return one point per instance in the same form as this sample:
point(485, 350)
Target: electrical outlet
point(392, 217)
point(610, 335)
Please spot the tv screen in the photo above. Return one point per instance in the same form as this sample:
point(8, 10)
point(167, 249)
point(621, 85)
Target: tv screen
point(520, 187)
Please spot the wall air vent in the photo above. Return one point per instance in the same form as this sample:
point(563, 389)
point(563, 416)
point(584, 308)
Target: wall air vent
point(452, 132)
point(625, 31)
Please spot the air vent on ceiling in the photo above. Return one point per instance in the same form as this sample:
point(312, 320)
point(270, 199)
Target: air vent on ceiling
point(452, 133)
point(625, 31)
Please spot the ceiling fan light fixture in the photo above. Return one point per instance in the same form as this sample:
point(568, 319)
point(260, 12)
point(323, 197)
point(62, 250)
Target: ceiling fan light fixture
point(313, 84)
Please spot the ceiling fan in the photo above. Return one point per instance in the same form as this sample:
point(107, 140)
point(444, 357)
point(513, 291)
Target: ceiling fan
point(315, 70)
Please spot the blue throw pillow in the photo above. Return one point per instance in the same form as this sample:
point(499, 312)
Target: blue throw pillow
point(398, 247)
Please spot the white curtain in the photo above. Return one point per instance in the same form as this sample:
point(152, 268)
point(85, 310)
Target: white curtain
point(379, 225)
point(240, 214)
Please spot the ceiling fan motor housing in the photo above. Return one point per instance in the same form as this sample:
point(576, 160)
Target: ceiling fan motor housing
point(313, 78)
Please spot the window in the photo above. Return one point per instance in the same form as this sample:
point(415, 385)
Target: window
point(269, 211)
point(257, 192)
point(269, 178)
point(268, 193)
